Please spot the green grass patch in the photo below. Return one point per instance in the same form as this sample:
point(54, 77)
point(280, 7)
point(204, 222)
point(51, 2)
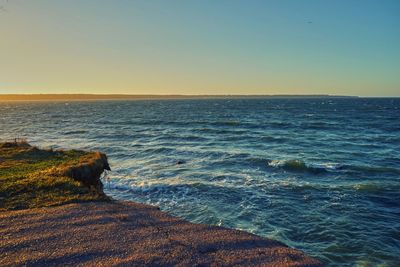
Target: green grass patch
point(27, 179)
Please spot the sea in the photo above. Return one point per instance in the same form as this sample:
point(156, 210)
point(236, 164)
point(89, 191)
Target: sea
point(320, 174)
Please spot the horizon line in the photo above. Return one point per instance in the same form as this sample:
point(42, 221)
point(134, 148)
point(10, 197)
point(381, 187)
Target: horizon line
point(88, 96)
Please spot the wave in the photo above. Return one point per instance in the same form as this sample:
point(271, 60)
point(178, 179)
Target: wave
point(75, 132)
point(292, 165)
point(274, 139)
point(158, 150)
point(296, 165)
point(369, 169)
point(369, 188)
point(232, 131)
point(228, 123)
point(180, 138)
point(372, 187)
point(319, 125)
point(176, 188)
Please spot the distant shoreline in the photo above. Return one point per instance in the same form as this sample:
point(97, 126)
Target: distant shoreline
point(82, 97)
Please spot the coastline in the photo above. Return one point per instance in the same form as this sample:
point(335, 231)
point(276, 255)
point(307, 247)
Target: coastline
point(122, 97)
point(110, 232)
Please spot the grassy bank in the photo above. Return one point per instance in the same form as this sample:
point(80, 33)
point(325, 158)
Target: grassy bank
point(32, 177)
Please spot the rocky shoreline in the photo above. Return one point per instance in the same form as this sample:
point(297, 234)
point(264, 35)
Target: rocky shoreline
point(111, 233)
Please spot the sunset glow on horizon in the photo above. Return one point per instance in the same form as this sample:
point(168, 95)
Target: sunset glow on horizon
point(200, 47)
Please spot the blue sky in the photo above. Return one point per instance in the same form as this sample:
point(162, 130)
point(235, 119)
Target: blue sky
point(201, 47)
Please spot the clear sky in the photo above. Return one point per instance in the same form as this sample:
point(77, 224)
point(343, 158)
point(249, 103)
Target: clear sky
point(349, 47)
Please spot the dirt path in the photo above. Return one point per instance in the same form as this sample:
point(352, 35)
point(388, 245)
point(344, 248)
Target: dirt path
point(127, 233)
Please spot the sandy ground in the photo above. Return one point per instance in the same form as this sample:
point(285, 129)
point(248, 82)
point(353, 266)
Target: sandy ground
point(130, 234)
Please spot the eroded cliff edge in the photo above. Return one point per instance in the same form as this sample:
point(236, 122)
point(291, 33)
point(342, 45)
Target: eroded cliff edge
point(87, 171)
point(31, 177)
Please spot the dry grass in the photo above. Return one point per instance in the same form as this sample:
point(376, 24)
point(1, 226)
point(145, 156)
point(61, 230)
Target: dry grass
point(27, 177)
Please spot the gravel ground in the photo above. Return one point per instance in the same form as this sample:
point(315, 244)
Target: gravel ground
point(130, 234)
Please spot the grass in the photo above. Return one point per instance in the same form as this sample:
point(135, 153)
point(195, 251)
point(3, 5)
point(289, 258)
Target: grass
point(28, 179)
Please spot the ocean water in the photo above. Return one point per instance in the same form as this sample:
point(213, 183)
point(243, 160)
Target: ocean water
point(320, 174)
